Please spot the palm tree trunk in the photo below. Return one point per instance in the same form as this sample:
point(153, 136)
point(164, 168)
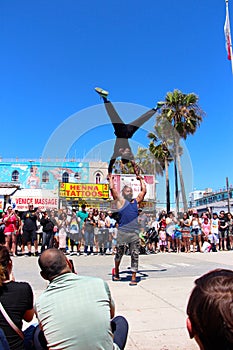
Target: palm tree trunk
point(182, 187)
point(167, 187)
point(176, 188)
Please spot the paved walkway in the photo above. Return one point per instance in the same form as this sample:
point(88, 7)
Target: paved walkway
point(155, 308)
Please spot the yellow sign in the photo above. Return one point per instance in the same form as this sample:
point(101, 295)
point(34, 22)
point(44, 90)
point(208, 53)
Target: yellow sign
point(73, 190)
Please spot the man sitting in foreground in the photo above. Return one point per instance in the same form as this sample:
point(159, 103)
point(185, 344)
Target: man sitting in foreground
point(75, 312)
point(210, 311)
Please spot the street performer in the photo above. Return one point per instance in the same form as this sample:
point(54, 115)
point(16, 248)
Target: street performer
point(128, 231)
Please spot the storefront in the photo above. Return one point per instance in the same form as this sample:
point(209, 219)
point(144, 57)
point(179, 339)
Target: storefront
point(93, 195)
point(98, 195)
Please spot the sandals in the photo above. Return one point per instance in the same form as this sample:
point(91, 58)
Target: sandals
point(133, 283)
point(115, 277)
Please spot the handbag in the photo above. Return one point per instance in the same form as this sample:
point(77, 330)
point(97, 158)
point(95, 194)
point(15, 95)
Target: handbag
point(27, 336)
point(11, 323)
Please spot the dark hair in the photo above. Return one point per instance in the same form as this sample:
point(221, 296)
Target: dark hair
point(4, 261)
point(210, 309)
point(52, 262)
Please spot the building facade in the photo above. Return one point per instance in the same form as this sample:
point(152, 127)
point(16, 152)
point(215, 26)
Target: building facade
point(25, 182)
point(54, 184)
point(214, 201)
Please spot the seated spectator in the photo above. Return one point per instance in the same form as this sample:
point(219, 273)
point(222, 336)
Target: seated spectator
point(3, 342)
point(75, 312)
point(210, 311)
point(17, 300)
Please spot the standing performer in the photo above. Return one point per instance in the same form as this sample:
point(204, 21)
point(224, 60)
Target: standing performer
point(124, 131)
point(128, 230)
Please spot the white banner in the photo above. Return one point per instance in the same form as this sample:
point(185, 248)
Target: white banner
point(42, 199)
point(130, 180)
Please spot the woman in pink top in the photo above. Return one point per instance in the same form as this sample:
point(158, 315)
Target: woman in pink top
point(10, 220)
point(205, 228)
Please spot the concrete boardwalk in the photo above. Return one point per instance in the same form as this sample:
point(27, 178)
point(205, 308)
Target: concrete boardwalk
point(156, 307)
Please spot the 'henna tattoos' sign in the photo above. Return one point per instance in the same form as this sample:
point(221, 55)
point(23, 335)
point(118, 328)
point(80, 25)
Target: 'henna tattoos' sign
point(72, 190)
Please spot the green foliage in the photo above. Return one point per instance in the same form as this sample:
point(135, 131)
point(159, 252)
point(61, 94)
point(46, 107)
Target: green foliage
point(182, 111)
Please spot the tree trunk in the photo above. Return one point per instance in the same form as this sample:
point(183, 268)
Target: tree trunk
point(176, 188)
point(167, 186)
point(182, 187)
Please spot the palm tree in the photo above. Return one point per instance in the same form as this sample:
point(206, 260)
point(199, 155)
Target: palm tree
point(185, 116)
point(161, 152)
point(147, 163)
point(120, 168)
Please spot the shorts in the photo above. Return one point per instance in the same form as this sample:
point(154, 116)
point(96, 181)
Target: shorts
point(29, 236)
point(10, 233)
point(114, 242)
point(178, 235)
point(186, 234)
point(195, 232)
point(123, 238)
point(96, 231)
point(75, 237)
point(153, 239)
point(172, 236)
point(222, 234)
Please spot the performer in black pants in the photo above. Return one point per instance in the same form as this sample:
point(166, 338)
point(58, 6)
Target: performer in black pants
point(124, 132)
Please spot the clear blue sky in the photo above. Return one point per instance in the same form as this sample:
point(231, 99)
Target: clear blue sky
point(53, 53)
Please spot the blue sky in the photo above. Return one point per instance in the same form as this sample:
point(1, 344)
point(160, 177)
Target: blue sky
point(53, 54)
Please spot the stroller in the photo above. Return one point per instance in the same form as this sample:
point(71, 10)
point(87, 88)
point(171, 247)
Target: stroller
point(147, 239)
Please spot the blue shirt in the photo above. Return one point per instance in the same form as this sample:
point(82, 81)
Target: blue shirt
point(128, 217)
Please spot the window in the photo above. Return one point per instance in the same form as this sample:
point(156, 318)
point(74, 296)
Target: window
point(45, 176)
point(65, 177)
point(77, 176)
point(97, 178)
point(15, 176)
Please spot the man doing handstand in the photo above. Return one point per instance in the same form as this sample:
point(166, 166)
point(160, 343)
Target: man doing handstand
point(124, 131)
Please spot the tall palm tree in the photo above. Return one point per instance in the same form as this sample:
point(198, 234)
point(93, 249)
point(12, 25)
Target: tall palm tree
point(161, 152)
point(185, 116)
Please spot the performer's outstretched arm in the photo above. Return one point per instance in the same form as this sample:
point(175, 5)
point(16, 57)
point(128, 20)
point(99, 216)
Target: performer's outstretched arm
point(142, 193)
point(135, 167)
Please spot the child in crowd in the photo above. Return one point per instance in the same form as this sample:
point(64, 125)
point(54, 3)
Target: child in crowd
point(214, 236)
point(162, 239)
point(205, 228)
point(185, 230)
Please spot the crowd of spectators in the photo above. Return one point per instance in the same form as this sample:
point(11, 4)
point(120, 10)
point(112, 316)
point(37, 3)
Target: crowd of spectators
point(92, 231)
point(188, 232)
